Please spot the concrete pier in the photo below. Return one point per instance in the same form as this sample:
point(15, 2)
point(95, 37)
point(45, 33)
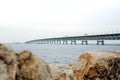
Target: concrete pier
point(84, 41)
point(73, 42)
point(65, 42)
point(58, 41)
point(100, 42)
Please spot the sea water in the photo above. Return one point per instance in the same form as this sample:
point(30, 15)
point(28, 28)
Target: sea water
point(62, 54)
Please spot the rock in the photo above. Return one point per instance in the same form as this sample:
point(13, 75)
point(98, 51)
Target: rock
point(61, 71)
point(32, 67)
point(62, 77)
point(22, 66)
point(91, 66)
point(98, 66)
point(8, 63)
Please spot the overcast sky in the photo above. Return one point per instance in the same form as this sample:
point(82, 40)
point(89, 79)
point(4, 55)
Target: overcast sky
point(23, 20)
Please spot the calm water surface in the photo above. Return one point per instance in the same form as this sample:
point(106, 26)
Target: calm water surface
point(62, 53)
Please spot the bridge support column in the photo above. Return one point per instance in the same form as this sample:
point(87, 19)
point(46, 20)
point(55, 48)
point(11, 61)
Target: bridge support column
point(47, 42)
point(84, 41)
point(100, 41)
point(65, 42)
point(40, 42)
point(73, 42)
point(54, 42)
point(58, 42)
point(43, 42)
point(51, 42)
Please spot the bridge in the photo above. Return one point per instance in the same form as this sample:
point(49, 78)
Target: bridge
point(73, 40)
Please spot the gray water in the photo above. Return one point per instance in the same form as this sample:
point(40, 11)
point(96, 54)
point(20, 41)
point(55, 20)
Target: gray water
point(62, 53)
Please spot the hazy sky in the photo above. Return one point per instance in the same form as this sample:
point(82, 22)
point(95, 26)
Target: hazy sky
point(23, 20)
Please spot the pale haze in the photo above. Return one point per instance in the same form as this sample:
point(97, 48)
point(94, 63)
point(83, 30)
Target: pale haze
point(24, 20)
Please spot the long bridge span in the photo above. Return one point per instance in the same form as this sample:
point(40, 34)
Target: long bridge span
point(73, 40)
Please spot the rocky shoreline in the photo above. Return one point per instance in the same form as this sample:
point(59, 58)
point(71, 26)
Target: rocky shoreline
point(90, 66)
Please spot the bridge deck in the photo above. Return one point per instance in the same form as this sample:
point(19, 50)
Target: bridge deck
point(115, 36)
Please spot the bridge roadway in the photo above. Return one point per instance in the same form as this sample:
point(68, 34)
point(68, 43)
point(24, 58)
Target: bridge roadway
point(73, 40)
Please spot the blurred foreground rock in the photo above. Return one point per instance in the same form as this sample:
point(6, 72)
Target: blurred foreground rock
point(90, 66)
point(22, 66)
point(32, 68)
point(8, 63)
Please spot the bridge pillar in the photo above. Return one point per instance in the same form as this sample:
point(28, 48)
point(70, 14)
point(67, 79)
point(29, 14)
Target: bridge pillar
point(54, 42)
point(84, 41)
point(41, 42)
point(44, 42)
point(100, 41)
point(58, 42)
point(65, 42)
point(73, 42)
point(51, 42)
point(47, 42)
